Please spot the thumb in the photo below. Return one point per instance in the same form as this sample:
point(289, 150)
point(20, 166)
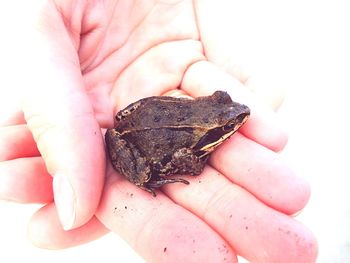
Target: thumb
point(60, 116)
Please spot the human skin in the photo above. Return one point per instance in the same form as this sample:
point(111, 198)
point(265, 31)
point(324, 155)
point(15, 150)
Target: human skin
point(100, 56)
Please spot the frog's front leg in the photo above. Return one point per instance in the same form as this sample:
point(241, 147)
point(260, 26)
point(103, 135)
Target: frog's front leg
point(127, 159)
point(186, 162)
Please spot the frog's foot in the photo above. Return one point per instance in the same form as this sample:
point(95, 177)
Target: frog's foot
point(148, 189)
point(150, 186)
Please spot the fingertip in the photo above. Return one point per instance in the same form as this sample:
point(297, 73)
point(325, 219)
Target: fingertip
point(299, 196)
point(309, 246)
point(302, 241)
point(76, 200)
point(303, 246)
point(294, 193)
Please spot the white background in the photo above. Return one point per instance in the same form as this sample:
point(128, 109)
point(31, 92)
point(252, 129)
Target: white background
point(304, 45)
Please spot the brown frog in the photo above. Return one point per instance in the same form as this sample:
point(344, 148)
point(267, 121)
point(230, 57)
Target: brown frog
point(161, 136)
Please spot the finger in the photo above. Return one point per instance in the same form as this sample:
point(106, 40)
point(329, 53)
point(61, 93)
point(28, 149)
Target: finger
point(45, 230)
point(203, 78)
point(158, 70)
point(262, 173)
point(254, 230)
point(25, 180)
point(61, 118)
point(158, 229)
point(17, 142)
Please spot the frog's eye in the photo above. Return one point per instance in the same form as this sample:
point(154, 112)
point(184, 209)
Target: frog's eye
point(229, 126)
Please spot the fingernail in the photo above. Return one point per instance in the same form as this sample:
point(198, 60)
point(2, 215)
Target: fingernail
point(64, 200)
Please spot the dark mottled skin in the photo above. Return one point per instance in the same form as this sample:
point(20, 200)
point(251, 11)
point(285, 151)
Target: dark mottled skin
point(160, 136)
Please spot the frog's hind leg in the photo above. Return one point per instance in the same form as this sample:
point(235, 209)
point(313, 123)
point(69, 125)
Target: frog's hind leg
point(127, 159)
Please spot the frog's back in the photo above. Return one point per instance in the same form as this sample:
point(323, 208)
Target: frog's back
point(157, 112)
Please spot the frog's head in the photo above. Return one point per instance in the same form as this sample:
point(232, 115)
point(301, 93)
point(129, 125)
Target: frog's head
point(226, 117)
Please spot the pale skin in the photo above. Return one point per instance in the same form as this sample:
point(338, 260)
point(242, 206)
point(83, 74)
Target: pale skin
point(99, 56)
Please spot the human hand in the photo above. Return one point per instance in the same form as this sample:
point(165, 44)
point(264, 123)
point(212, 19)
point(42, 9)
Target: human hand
point(239, 205)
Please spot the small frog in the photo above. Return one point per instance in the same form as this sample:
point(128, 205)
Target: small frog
point(161, 136)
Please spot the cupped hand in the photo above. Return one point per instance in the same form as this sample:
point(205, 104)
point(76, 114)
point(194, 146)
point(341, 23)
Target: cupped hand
point(93, 58)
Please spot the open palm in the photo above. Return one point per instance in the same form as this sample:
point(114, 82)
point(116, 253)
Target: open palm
point(99, 57)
